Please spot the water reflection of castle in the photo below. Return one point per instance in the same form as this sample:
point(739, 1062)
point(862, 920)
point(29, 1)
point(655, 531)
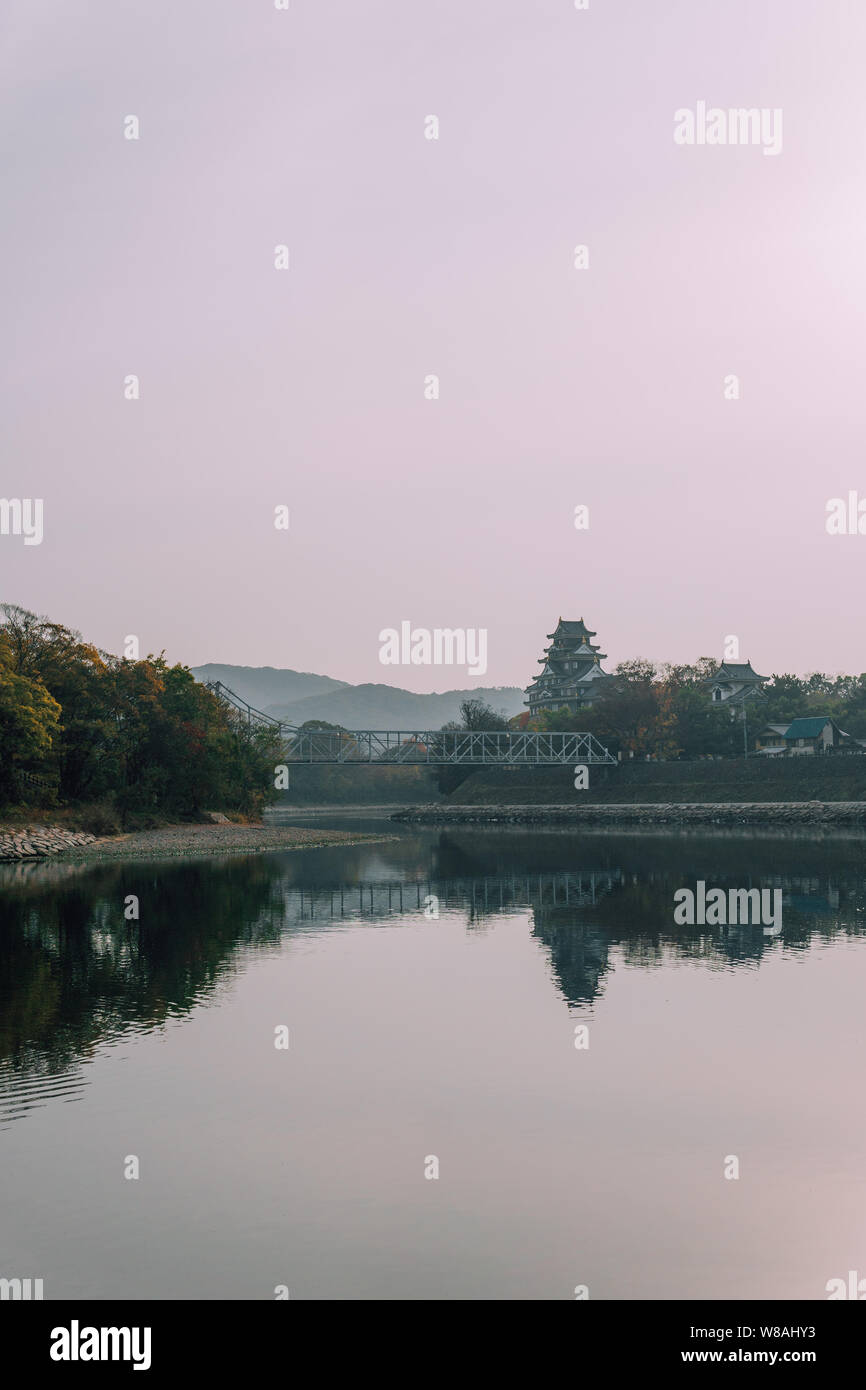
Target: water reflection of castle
point(74, 974)
point(588, 921)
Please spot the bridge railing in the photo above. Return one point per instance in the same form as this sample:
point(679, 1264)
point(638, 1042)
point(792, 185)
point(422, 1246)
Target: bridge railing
point(413, 747)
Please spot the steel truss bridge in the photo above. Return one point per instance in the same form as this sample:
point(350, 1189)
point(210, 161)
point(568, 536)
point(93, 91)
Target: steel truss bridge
point(417, 747)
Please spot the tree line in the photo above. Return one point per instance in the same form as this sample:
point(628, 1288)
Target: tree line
point(80, 725)
point(664, 711)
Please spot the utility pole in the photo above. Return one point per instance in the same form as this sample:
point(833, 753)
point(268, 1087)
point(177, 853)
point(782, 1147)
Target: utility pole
point(745, 730)
point(743, 699)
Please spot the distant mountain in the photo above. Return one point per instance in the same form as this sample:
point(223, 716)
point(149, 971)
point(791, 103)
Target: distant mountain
point(267, 685)
point(295, 696)
point(388, 707)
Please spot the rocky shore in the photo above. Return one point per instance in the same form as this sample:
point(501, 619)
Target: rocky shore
point(39, 841)
point(168, 842)
point(695, 813)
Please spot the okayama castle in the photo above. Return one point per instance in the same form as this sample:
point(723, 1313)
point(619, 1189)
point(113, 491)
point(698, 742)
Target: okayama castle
point(571, 676)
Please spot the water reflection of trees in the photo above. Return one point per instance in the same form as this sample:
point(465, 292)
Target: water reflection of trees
point(74, 973)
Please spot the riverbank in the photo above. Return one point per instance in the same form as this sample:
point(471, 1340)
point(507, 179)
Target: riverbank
point(167, 842)
point(39, 841)
point(672, 813)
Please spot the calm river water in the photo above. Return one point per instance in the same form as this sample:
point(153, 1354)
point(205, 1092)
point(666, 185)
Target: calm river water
point(415, 1037)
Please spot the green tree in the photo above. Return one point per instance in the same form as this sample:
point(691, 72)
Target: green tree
point(29, 723)
point(142, 735)
point(475, 715)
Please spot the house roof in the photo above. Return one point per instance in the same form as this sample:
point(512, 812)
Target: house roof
point(809, 727)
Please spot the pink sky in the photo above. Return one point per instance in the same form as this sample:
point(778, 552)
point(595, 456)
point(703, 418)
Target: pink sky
point(453, 257)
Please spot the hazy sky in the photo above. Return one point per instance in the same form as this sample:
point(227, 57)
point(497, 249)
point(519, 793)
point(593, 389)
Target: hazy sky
point(411, 256)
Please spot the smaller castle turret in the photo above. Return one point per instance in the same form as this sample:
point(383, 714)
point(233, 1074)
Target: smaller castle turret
point(734, 680)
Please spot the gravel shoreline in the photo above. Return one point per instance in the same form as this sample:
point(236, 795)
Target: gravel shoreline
point(171, 842)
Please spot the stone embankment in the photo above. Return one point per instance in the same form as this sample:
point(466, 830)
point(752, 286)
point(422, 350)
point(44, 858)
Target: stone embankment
point(38, 841)
point(696, 813)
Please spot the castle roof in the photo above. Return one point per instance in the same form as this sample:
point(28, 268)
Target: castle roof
point(735, 671)
point(568, 628)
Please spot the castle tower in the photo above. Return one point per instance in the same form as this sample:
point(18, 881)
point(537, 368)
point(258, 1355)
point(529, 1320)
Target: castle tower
point(571, 674)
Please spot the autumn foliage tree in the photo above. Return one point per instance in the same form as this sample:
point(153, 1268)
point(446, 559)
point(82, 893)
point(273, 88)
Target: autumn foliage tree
point(649, 711)
point(140, 735)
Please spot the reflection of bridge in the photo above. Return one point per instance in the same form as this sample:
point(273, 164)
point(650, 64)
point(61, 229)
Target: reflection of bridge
point(515, 892)
point(414, 747)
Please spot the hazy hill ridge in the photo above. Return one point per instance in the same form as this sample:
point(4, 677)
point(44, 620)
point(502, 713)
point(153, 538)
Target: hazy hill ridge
point(296, 696)
point(264, 685)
